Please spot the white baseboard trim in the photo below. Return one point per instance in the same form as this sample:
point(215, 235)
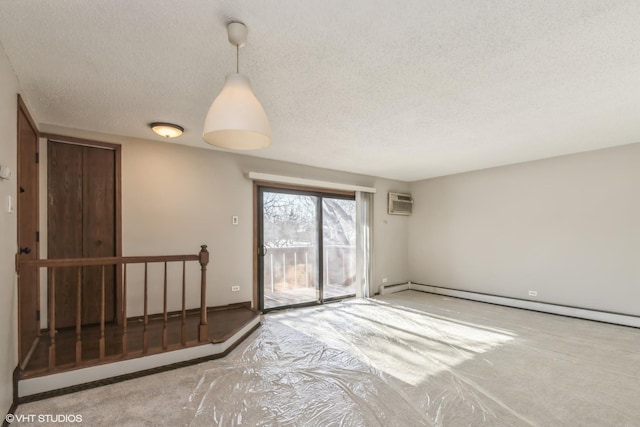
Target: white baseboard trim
point(31, 386)
point(389, 289)
point(582, 313)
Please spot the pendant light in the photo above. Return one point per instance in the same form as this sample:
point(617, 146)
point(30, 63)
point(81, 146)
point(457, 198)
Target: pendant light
point(236, 119)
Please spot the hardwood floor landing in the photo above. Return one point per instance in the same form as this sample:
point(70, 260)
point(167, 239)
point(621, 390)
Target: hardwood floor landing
point(222, 324)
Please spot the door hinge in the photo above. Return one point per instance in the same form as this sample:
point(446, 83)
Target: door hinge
point(37, 157)
point(37, 315)
point(37, 236)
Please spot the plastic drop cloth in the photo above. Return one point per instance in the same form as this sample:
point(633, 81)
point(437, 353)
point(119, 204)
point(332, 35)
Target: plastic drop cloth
point(382, 363)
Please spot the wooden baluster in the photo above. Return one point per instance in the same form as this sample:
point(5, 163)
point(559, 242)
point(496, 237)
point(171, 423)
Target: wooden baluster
point(203, 332)
point(183, 334)
point(102, 303)
point(52, 319)
point(164, 325)
point(79, 318)
point(145, 333)
point(124, 310)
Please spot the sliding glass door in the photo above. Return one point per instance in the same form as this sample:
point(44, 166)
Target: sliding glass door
point(338, 247)
point(289, 249)
point(306, 247)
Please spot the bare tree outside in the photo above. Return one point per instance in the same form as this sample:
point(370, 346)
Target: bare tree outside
point(339, 226)
point(289, 220)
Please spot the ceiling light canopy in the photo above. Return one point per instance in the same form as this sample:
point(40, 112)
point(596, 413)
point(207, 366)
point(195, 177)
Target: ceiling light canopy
point(168, 130)
point(236, 119)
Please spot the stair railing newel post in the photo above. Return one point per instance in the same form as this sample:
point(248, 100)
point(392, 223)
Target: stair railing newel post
point(203, 333)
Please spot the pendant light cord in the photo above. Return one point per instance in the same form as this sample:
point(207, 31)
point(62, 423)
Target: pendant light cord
point(237, 59)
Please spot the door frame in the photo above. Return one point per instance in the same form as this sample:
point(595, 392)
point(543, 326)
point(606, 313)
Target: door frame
point(258, 266)
point(117, 148)
point(24, 111)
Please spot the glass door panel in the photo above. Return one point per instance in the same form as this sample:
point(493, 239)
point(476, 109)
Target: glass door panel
point(339, 248)
point(289, 252)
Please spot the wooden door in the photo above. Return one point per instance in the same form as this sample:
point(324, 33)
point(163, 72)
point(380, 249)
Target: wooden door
point(98, 231)
point(28, 279)
point(81, 218)
point(64, 210)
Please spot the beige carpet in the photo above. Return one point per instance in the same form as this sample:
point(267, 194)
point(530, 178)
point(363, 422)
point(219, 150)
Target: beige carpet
point(399, 360)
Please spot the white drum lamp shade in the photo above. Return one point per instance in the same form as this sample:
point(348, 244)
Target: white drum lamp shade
point(236, 119)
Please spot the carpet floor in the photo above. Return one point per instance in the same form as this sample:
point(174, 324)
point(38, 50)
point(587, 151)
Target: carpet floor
point(403, 359)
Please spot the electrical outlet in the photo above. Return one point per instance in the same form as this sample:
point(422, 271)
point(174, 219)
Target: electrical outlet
point(533, 293)
point(235, 288)
point(234, 220)
point(384, 280)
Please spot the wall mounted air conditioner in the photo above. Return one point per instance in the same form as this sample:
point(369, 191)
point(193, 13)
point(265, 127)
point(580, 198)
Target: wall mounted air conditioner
point(400, 204)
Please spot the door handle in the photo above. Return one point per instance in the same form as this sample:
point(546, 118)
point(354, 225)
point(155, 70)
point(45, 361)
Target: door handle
point(26, 250)
point(262, 250)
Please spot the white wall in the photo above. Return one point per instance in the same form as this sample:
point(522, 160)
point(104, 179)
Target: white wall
point(8, 233)
point(390, 240)
point(175, 198)
point(566, 227)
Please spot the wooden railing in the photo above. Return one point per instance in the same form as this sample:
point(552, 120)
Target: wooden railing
point(121, 263)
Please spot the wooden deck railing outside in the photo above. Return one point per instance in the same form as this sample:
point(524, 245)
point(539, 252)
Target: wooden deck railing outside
point(53, 265)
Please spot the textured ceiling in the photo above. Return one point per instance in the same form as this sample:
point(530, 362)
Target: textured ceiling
point(405, 90)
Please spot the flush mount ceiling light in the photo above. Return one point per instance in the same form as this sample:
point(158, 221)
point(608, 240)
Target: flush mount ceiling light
point(168, 130)
point(236, 119)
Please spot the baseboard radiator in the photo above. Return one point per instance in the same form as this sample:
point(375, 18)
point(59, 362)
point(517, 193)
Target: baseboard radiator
point(563, 310)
